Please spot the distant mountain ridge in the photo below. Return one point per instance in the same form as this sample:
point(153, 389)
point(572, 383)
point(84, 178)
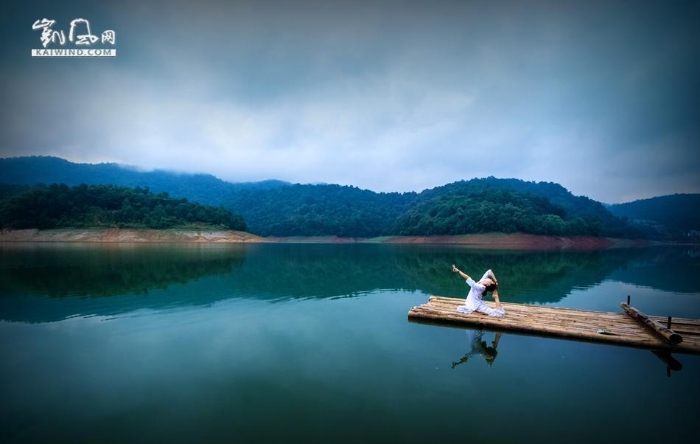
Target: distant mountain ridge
point(202, 188)
point(676, 215)
point(277, 208)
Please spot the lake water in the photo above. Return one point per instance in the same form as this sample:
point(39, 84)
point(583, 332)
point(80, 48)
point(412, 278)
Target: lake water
point(311, 343)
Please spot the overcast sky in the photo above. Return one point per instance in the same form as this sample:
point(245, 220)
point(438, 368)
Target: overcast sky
point(601, 97)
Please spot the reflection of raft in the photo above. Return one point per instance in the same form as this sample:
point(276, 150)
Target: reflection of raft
point(634, 329)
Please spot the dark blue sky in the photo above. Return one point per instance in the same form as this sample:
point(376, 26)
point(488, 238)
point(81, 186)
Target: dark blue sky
point(602, 97)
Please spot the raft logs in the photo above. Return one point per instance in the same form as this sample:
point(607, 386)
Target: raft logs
point(670, 335)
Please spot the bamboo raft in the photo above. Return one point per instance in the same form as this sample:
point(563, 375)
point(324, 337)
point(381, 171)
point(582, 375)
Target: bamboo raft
point(630, 328)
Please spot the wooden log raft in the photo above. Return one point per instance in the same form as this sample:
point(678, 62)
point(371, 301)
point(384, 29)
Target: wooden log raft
point(567, 323)
point(670, 335)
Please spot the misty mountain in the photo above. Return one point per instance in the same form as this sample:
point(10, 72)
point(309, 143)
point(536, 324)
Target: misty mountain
point(276, 208)
point(672, 216)
point(203, 188)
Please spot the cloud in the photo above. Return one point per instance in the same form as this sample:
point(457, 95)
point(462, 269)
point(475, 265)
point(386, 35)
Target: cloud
point(390, 97)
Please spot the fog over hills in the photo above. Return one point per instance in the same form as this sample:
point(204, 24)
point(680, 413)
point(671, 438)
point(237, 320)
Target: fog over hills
point(279, 208)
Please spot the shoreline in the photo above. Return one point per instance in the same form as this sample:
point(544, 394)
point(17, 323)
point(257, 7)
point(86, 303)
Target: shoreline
point(488, 240)
point(127, 235)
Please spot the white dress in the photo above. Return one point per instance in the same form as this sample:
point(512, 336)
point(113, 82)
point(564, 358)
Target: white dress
point(474, 300)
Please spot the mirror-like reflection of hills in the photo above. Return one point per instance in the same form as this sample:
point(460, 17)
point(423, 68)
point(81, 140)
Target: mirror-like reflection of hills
point(48, 282)
point(40, 283)
point(108, 270)
point(673, 269)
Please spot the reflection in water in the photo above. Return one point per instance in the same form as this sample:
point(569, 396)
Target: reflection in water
point(480, 347)
point(550, 276)
point(183, 344)
point(523, 276)
point(670, 269)
point(49, 282)
point(136, 276)
point(668, 359)
point(109, 269)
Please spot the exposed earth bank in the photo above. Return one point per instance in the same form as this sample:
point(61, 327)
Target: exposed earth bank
point(524, 241)
point(495, 240)
point(126, 235)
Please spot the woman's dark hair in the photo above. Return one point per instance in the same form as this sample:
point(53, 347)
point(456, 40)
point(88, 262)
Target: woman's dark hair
point(490, 355)
point(491, 287)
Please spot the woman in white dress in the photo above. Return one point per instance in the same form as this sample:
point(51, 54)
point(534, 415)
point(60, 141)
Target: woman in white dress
point(474, 302)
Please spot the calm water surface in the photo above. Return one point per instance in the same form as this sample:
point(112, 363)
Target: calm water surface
point(311, 343)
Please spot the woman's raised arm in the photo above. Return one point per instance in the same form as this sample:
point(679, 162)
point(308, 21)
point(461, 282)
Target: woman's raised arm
point(493, 277)
point(456, 270)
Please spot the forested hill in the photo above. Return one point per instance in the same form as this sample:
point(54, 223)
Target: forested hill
point(509, 205)
point(319, 210)
point(474, 206)
point(61, 206)
point(665, 216)
point(202, 188)
point(275, 208)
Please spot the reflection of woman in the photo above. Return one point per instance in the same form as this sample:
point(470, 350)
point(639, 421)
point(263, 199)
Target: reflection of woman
point(474, 302)
point(479, 347)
